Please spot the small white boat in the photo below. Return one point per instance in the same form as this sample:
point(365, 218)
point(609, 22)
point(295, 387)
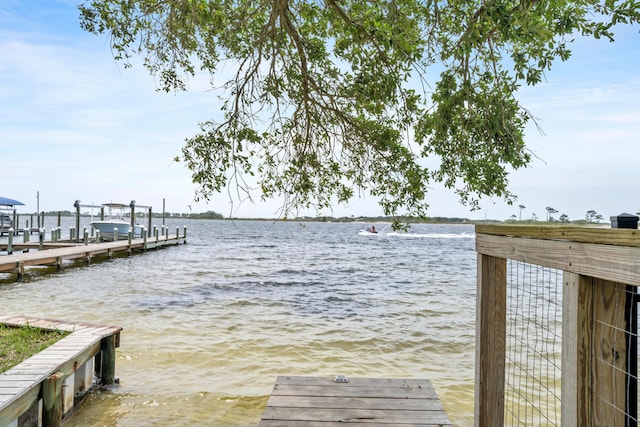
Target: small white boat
point(117, 217)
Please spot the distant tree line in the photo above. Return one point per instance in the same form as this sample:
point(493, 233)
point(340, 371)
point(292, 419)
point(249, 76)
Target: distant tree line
point(192, 215)
point(202, 215)
point(591, 217)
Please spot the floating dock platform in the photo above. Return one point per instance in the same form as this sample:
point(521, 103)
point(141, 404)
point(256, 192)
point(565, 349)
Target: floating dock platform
point(342, 401)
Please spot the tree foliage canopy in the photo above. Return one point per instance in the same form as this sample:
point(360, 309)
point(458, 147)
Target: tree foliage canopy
point(330, 99)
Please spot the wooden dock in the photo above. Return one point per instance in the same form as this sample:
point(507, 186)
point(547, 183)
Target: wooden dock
point(46, 387)
point(53, 254)
point(333, 402)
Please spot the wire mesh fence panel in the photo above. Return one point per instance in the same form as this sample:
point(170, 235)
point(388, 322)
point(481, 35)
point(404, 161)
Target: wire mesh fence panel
point(533, 345)
point(615, 354)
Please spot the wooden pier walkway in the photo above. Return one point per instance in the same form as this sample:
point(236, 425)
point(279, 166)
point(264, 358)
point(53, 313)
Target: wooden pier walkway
point(59, 375)
point(53, 254)
point(333, 402)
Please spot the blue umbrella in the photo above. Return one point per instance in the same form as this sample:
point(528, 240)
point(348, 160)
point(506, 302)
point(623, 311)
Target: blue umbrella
point(4, 201)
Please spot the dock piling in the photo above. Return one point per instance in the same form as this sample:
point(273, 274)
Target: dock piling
point(144, 239)
point(52, 400)
point(108, 360)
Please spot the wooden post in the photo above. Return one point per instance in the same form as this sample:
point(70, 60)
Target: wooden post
point(10, 242)
point(149, 219)
point(185, 234)
point(491, 302)
point(77, 206)
point(132, 213)
point(108, 360)
point(609, 394)
point(41, 239)
point(631, 331)
point(52, 400)
point(115, 233)
point(144, 239)
point(20, 269)
point(577, 357)
point(86, 236)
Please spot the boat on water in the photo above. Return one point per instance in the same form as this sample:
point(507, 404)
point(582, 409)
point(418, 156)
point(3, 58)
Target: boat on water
point(118, 217)
point(7, 212)
point(368, 230)
point(5, 221)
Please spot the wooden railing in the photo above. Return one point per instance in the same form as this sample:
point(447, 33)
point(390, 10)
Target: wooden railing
point(601, 272)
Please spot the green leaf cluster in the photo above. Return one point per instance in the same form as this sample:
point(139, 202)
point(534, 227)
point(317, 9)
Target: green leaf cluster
point(324, 101)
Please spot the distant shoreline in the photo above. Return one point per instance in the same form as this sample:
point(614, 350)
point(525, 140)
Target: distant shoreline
point(211, 215)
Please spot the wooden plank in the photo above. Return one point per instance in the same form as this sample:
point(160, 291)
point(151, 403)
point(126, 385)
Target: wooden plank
point(12, 376)
point(342, 415)
point(13, 388)
point(13, 382)
point(53, 324)
point(390, 403)
point(357, 382)
point(605, 236)
point(282, 423)
point(347, 391)
point(321, 401)
point(11, 409)
point(607, 262)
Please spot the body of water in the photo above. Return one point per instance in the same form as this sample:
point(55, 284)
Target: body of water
point(208, 326)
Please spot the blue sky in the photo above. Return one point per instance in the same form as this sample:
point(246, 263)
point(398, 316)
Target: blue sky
point(74, 124)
